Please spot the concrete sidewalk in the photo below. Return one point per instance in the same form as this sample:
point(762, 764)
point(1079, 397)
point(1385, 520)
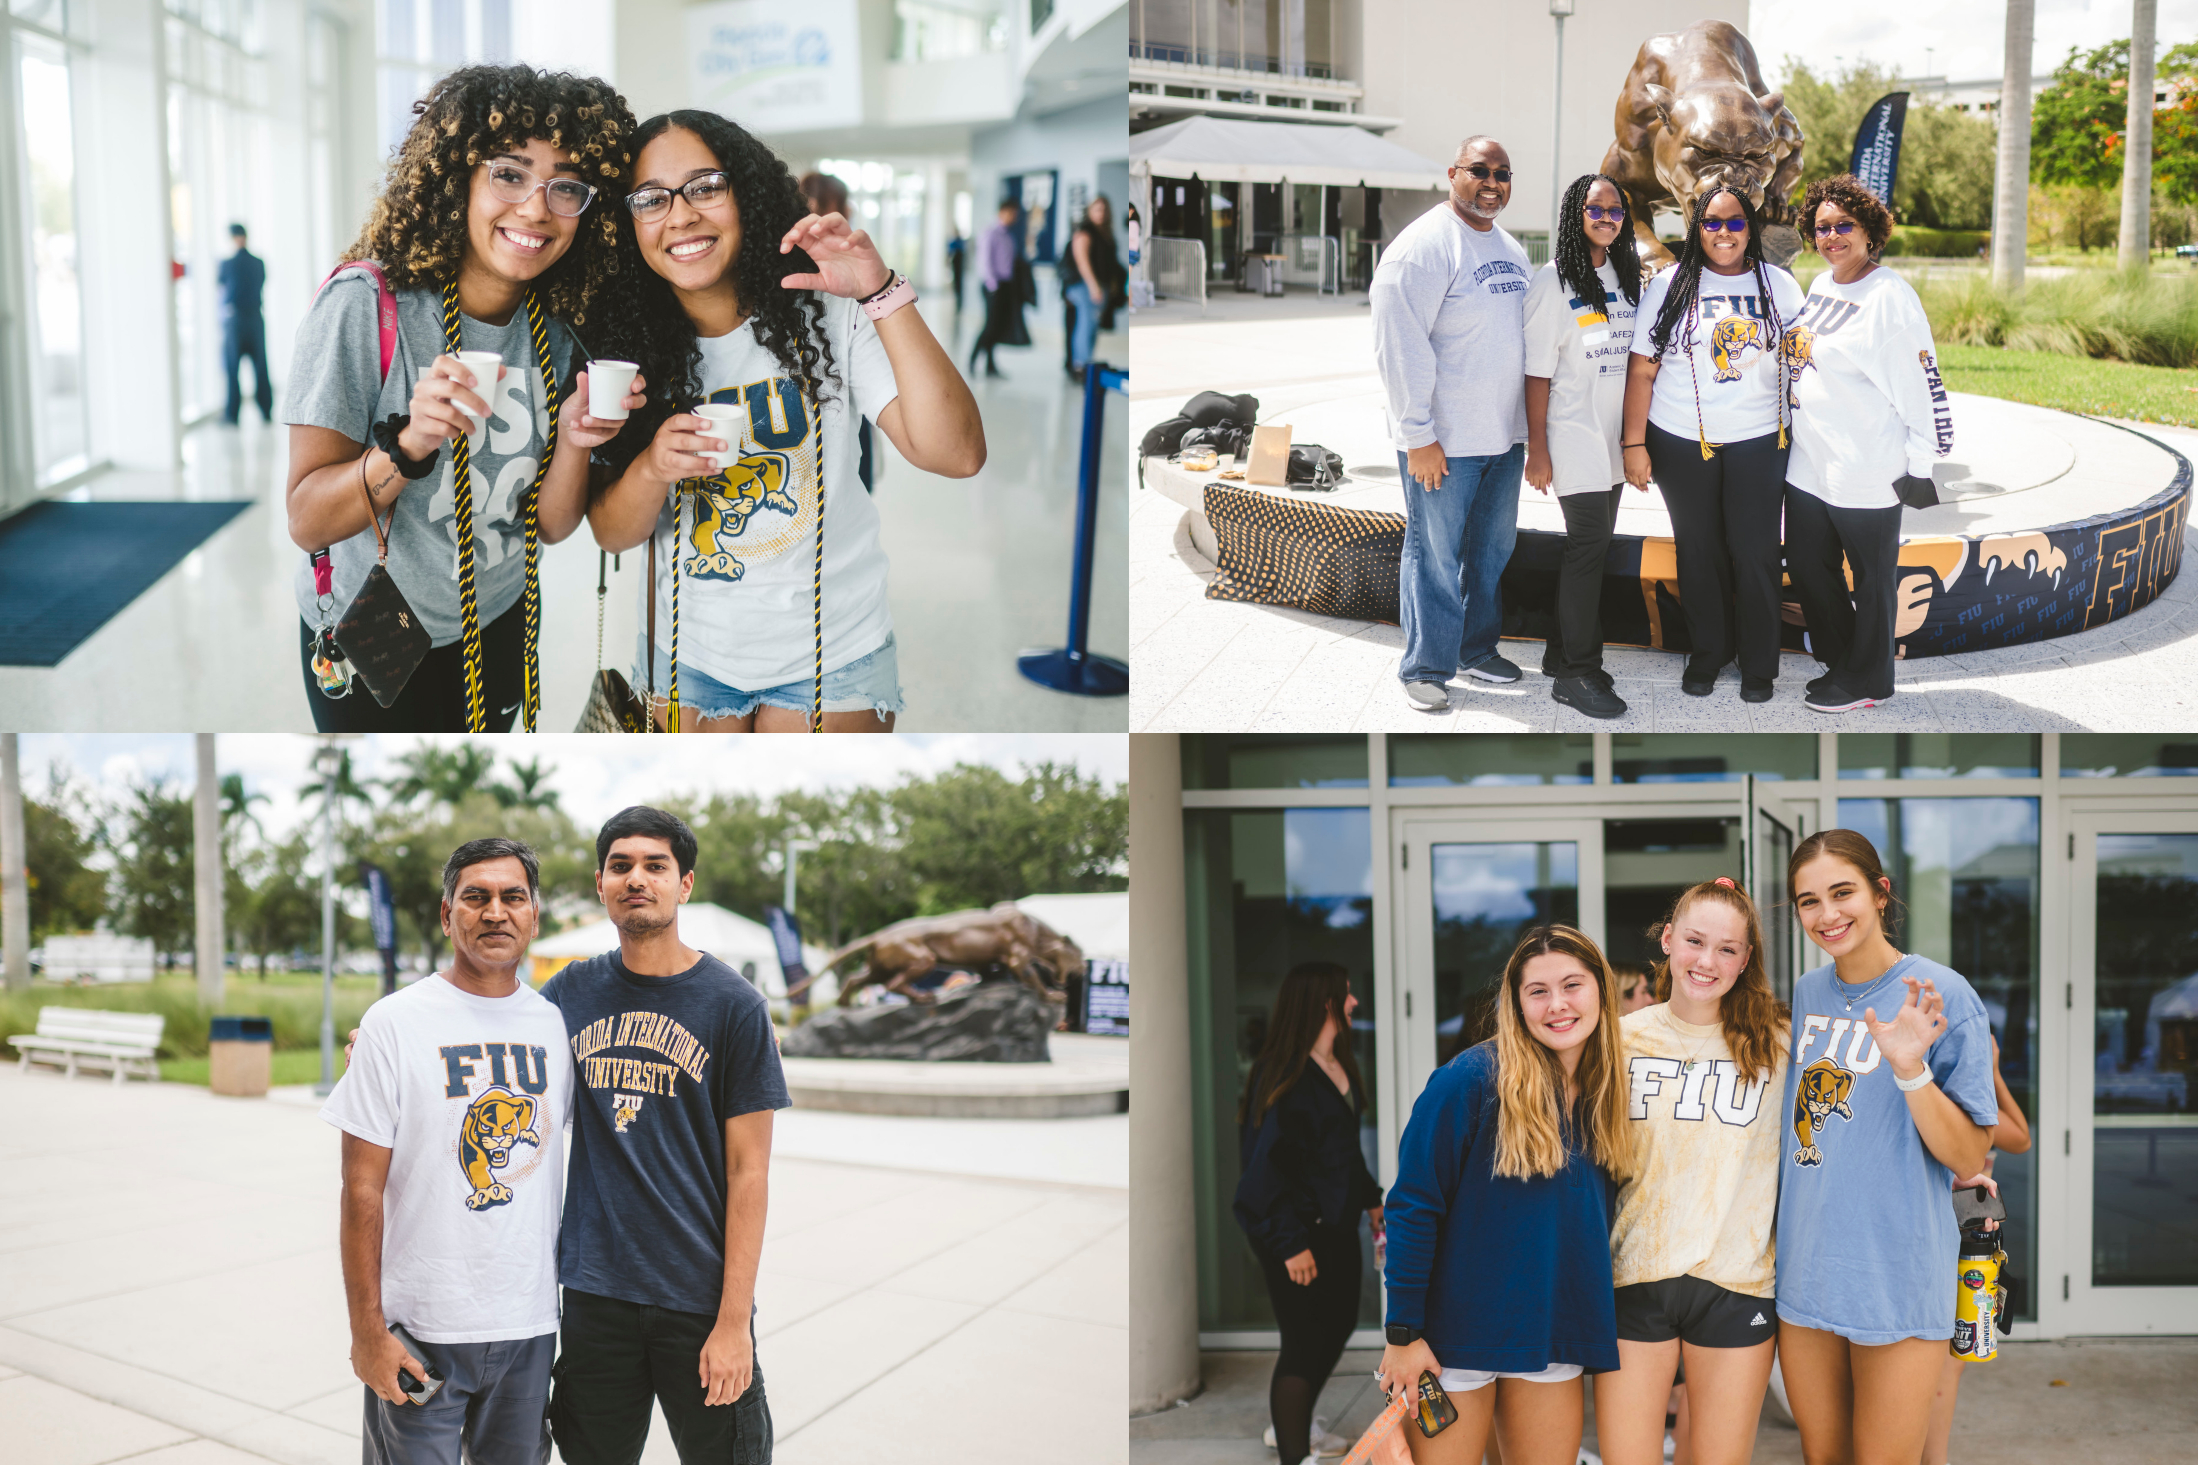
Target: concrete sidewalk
point(170, 1291)
point(2103, 1401)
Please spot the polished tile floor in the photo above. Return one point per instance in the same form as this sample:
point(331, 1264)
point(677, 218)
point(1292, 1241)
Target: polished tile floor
point(980, 572)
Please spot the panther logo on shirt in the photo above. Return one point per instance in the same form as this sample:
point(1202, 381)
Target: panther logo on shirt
point(1729, 338)
point(495, 1123)
point(1800, 356)
point(1822, 1092)
point(625, 1109)
point(765, 502)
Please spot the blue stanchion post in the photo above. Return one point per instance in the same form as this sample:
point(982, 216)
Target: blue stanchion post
point(1074, 668)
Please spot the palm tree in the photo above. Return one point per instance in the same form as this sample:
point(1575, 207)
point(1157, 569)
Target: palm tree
point(348, 788)
point(527, 791)
point(236, 804)
point(444, 775)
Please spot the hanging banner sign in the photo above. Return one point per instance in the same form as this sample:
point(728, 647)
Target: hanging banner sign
point(776, 65)
point(1876, 158)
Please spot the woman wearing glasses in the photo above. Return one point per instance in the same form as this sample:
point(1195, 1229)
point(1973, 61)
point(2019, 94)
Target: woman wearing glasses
point(1579, 332)
point(484, 234)
point(1706, 414)
point(770, 609)
point(1869, 414)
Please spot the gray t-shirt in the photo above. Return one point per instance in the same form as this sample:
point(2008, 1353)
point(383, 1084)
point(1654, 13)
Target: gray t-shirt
point(332, 384)
point(1449, 308)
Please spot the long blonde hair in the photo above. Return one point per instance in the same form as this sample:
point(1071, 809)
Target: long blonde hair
point(1755, 1021)
point(1530, 1079)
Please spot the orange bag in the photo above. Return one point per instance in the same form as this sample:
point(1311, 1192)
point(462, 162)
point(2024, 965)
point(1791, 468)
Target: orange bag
point(1383, 1442)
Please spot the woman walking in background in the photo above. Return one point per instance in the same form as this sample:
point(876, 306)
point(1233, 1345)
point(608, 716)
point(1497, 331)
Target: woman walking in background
point(1304, 1185)
point(1499, 1221)
point(1579, 335)
point(1691, 1250)
point(1884, 1113)
point(1089, 275)
point(1869, 415)
point(1706, 414)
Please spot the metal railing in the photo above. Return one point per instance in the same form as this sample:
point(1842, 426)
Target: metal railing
point(1255, 62)
point(1312, 259)
point(1177, 268)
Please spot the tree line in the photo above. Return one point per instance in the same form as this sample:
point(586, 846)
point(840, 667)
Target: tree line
point(969, 836)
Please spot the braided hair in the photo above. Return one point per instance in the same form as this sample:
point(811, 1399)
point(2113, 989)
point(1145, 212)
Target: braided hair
point(1686, 279)
point(1575, 256)
point(643, 322)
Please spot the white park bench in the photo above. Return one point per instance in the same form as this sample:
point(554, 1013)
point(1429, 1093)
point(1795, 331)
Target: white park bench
point(73, 1037)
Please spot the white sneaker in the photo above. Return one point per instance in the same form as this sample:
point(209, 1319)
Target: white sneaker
point(1428, 696)
point(1324, 1443)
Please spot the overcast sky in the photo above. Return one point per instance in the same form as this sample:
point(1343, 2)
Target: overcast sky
point(1959, 39)
point(596, 776)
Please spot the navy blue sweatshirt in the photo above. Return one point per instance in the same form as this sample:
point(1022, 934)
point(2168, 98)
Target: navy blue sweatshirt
point(1508, 1276)
point(1302, 1168)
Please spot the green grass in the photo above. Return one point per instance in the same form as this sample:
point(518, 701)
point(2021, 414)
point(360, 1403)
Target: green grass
point(292, 1066)
point(2151, 320)
point(2073, 383)
point(291, 999)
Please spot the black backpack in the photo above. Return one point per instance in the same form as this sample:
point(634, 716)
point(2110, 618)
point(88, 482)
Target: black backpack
point(1207, 410)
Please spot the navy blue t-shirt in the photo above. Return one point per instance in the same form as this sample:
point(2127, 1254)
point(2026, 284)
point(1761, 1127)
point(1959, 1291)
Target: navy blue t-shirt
point(662, 1063)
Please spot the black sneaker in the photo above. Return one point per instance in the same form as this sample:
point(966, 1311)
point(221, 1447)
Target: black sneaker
point(1495, 669)
point(1833, 697)
point(1817, 684)
point(1756, 689)
point(1698, 686)
point(1598, 676)
point(1586, 696)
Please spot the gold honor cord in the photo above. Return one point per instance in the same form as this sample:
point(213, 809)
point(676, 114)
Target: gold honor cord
point(816, 581)
point(530, 511)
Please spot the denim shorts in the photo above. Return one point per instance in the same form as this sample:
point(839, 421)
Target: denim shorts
point(867, 684)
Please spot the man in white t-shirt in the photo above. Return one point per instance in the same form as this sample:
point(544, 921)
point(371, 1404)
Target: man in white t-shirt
point(1449, 306)
point(452, 1111)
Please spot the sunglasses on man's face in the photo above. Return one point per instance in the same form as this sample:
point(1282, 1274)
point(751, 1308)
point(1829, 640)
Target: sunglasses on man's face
point(1483, 171)
point(1730, 226)
point(1844, 226)
point(1599, 214)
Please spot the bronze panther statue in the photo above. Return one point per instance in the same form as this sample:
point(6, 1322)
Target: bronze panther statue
point(1695, 114)
point(1040, 957)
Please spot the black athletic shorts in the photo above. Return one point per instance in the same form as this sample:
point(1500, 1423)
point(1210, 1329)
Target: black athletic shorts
point(1694, 1311)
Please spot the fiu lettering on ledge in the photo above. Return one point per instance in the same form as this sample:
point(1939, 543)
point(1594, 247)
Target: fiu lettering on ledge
point(650, 1031)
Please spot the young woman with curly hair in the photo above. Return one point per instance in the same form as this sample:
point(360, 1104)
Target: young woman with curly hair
point(1579, 331)
point(1869, 414)
point(1499, 1221)
point(769, 593)
point(1690, 1244)
point(451, 480)
point(1706, 413)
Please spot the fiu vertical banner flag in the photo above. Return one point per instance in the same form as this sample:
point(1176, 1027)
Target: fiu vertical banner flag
point(1876, 159)
point(786, 936)
point(381, 910)
point(776, 65)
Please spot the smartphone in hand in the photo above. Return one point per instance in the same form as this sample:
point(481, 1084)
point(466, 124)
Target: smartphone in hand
point(418, 1391)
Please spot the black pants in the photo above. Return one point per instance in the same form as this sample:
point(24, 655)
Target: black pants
point(1578, 648)
point(616, 1358)
point(434, 700)
point(1316, 1322)
point(988, 335)
point(1724, 517)
point(246, 340)
point(1852, 634)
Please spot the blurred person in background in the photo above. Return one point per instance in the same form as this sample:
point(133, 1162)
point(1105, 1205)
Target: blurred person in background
point(1089, 277)
point(997, 258)
point(243, 331)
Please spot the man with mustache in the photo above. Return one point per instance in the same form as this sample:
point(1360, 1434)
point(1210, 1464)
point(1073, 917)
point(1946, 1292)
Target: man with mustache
point(1449, 306)
point(452, 1109)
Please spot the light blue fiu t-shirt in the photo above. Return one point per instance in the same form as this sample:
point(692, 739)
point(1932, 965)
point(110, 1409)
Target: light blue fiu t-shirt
point(1866, 1234)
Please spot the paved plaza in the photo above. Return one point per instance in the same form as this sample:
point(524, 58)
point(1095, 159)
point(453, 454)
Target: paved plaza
point(1208, 665)
point(932, 1290)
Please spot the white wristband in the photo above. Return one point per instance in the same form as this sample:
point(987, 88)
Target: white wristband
point(1910, 1085)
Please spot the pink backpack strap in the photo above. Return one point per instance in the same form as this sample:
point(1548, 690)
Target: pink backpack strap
point(385, 301)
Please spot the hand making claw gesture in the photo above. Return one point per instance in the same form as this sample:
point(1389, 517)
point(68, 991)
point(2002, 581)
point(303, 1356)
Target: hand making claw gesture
point(847, 263)
point(1907, 1039)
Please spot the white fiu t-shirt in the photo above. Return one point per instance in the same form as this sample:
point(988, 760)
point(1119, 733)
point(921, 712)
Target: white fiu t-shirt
point(747, 544)
point(1735, 355)
point(1583, 352)
point(471, 1096)
point(1868, 404)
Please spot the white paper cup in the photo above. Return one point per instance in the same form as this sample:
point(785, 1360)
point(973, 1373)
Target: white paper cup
point(483, 365)
point(608, 384)
point(724, 419)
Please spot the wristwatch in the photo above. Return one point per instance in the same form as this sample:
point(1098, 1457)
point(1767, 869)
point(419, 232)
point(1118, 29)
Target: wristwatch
point(1400, 1335)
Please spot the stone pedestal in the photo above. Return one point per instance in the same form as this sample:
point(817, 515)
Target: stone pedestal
point(993, 1022)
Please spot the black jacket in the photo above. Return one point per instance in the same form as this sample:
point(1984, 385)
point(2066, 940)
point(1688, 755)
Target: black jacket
point(1302, 1168)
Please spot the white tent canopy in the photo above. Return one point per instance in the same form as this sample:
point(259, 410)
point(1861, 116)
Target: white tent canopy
point(732, 939)
point(1226, 150)
point(1098, 923)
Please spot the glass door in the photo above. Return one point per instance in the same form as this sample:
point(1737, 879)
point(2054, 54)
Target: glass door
point(1470, 890)
point(2132, 1145)
point(1773, 827)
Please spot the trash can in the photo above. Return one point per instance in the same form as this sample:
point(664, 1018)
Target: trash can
point(243, 1053)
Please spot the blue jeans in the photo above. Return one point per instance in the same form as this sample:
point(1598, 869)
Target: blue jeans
point(1457, 540)
point(1087, 323)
